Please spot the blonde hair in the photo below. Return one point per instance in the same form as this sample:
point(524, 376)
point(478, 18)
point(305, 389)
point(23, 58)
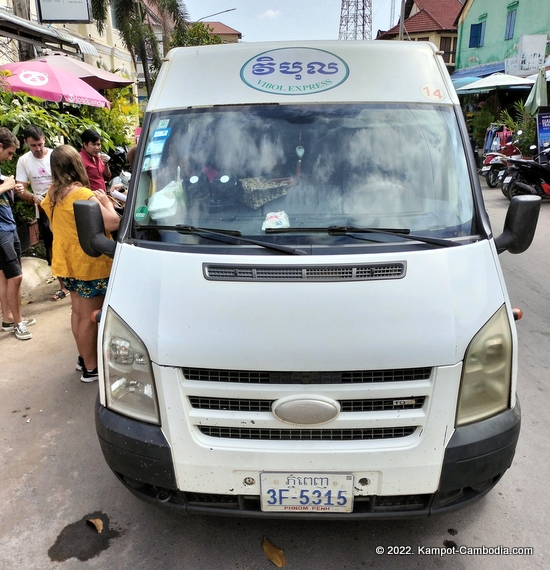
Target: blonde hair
point(67, 168)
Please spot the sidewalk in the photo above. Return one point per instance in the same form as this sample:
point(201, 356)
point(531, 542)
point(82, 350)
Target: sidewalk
point(38, 283)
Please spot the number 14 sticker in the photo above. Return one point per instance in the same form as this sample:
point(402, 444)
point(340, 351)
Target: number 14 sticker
point(432, 92)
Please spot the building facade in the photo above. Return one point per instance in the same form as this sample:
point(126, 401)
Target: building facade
point(431, 21)
point(79, 40)
point(502, 36)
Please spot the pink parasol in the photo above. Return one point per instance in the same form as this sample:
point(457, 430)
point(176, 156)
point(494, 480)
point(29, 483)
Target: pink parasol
point(51, 83)
point(96, 77)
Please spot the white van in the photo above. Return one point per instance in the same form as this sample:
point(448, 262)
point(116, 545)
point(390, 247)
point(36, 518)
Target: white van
point(306, 314)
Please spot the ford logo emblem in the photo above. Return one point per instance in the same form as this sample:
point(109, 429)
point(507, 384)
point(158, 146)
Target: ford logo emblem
point(294, 71)
point(306, 409)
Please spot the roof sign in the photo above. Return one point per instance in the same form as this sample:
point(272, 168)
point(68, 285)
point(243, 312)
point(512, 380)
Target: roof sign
point(294, 71)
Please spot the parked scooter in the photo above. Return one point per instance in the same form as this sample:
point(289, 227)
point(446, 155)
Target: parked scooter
point(119, 160)
point(496, 163)
point(528, 177)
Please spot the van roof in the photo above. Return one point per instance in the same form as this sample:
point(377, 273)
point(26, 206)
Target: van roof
point(302, 72)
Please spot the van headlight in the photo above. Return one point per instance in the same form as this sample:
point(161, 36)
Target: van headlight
point(129, 382)
point(487, 372)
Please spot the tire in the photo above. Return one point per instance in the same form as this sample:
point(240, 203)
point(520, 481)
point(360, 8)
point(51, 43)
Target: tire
point(518, 188)
point(492, 178)
point(506, 188)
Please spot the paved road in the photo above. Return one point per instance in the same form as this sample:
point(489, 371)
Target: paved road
point(54, 477)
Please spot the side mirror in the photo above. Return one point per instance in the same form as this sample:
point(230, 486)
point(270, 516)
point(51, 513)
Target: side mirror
point(91, 230)
point(520, 224)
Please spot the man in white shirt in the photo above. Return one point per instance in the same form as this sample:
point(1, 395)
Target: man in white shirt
point(34, 168)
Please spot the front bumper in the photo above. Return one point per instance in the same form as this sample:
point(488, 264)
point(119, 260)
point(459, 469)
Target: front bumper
point(475, 459)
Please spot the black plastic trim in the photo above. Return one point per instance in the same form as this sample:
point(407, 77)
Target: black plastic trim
point(481, 451)
point(476, 458)
point(134, 449)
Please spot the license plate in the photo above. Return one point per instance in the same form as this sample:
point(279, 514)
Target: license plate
point(485, 168)
point(307, 492)
point(507, 180)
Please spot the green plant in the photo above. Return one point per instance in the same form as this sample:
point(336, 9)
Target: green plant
point(59, 124)
point(197, 34)
point(36, 250)
point(135, 22)
point(524, 122)
point(120, 120)
point(65, 123)
point(480, 123)
point(23, 212)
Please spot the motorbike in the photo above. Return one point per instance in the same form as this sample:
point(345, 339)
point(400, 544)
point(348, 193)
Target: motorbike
point(496, 163)
point(118, 160)
point(528, 177)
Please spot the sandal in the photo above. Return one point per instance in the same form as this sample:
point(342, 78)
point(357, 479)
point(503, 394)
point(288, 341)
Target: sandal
point(58, 295)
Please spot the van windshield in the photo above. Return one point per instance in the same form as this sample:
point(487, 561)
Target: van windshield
point(283, 174)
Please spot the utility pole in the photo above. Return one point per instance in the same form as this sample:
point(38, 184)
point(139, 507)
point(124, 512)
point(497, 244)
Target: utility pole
point(402, 20)
point(355, 20)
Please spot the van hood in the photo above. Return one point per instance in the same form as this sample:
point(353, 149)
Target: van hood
point(426, 318)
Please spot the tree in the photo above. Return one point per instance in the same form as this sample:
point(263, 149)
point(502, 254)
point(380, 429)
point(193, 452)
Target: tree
point(196, 34)
point(135, 21)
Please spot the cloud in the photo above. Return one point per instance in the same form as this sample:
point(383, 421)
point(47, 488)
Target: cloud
point(270, 14)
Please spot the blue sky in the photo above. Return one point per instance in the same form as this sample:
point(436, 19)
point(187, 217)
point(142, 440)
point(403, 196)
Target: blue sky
point(273, 20)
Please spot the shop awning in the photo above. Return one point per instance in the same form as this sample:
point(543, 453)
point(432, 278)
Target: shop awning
point(22, 30)
point(479, 70)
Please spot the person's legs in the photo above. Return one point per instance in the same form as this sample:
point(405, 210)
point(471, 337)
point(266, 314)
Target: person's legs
point(7, 315)
point(13, 295)
point(84, 329)
point(12, 276)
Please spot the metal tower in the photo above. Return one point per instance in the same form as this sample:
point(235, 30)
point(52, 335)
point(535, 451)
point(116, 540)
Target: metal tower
point(356, 20)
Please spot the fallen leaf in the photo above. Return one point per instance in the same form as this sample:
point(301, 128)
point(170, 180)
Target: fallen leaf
point(98, 523)
point(273, 553)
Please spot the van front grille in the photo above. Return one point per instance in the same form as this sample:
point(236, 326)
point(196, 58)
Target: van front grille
point(269, 434)
point(272, 377)
point(246, 405)
point(309, 273)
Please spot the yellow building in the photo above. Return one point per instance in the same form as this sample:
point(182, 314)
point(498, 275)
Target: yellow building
point(78, 40)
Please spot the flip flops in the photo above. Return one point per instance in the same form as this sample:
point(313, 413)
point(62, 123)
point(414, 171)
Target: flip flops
point(58, 295)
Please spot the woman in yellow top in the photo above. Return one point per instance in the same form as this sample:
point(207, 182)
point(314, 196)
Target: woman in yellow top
point(84, 275)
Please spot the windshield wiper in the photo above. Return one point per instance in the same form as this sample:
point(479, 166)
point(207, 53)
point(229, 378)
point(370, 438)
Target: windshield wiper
point(233, 235)
point(350, 230)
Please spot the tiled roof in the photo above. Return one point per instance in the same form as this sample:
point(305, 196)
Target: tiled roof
point(220, 29)
point(443, 11)
point(433, 15)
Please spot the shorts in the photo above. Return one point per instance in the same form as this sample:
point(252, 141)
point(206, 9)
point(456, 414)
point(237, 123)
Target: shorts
point(87, 289)
point(10, 254)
